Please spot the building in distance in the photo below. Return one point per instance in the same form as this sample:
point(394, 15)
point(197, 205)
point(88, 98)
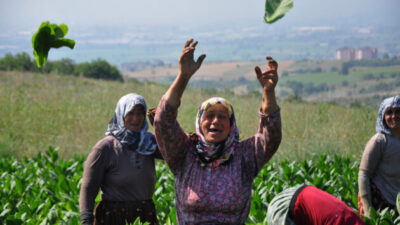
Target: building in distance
point(347, 53)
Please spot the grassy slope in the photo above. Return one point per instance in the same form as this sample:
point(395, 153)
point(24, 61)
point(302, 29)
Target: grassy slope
point(72, 113)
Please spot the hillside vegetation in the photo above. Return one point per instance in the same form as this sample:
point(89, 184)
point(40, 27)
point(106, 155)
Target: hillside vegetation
point(48, 124)
point(72, 113)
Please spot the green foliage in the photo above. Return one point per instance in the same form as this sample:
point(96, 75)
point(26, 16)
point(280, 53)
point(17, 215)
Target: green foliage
point(99, 69)
point(64, 66)
point(20, 62)
point(276, 9)
point(346, 66)
point(398, 202)
point(49, 36)
point(45, 189)
point(40, 190)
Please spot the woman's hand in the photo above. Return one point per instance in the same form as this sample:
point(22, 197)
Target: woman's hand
point(187, 65)
point(269, 78)
point(150, 114)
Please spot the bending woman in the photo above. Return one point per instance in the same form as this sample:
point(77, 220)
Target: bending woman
point(122, 166)
point(379, 174)
point(305, 204)
point(213, 171)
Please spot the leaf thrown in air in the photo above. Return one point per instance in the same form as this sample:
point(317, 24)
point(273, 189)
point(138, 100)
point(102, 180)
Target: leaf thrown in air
point(49, 36)
point(276, 9)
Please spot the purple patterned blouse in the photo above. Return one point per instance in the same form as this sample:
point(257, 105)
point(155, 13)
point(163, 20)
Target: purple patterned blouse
point(219, 195)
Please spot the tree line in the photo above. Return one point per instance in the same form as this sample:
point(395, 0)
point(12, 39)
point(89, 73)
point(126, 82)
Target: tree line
point(386, 61)
point(98, 69)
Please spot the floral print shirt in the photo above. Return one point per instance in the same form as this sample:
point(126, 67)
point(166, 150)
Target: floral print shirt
point(220, 195)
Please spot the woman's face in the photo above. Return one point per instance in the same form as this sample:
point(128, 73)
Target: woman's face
point(134, 120)
point(215, 124)
point(392, 118)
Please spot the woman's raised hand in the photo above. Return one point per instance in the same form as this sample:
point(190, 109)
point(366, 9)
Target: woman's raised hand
point(150, 114)
point(269, 78)
point(187, 65)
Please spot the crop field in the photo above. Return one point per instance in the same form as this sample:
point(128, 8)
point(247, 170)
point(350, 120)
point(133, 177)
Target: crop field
point(45, 189)
point(48, 124)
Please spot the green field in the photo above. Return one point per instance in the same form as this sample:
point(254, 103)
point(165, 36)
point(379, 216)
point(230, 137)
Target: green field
point(72, 113)
point(322, 144)
point(333, 78)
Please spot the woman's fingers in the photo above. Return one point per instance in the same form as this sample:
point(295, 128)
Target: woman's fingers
point(194, 44)
point(258, 71)
point(200, 60)
point(188, 42)
point(272, 64)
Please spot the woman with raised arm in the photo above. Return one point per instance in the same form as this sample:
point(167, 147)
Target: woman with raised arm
point(379, 174)
point(213, 170)
point(122, 166)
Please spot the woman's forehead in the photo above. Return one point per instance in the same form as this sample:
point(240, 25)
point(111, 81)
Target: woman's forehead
point(217, 108)
point(392, 108)
point(137, 108)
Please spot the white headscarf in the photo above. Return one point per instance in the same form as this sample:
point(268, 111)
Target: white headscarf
point(392, 102)
point(116, 127)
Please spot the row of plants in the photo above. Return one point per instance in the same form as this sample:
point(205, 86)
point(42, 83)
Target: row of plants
point(45, 189)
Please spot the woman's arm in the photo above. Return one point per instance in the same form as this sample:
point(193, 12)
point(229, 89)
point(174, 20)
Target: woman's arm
point(171, 139)
point(93, 174)
point(369, 163)
point(263, 145)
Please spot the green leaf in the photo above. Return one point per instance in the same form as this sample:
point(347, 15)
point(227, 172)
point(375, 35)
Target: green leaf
point(49, 36)
point(61, 42)
point(276, 9)
point(398, 202)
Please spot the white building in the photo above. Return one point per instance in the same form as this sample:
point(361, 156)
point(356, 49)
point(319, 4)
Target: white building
point(347, 53)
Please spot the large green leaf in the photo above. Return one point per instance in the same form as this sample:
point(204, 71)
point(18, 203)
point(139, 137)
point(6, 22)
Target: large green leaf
point(398, 202)
point(276, 9)
point(49, 36)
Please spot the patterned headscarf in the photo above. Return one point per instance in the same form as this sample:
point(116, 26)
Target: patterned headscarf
point(145, 141)
point(210, 154)
point(392, 102)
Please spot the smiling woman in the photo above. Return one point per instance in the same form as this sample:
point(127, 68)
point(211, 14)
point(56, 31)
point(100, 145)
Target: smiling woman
point(122, 166)
point(214, 171)
point(379, 174)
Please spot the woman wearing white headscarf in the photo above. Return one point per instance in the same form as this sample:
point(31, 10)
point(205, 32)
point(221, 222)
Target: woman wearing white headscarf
point(122, 166)
point(379, 174)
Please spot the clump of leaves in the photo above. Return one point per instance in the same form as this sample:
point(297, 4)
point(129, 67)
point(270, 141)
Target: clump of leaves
point(276, 9)
point(398, 202)
point(49, 36)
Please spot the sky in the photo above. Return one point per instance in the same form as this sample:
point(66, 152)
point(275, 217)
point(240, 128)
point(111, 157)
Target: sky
point(29, 14)
point(103, 22)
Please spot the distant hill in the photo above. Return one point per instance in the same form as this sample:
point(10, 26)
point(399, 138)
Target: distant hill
point(312, 80)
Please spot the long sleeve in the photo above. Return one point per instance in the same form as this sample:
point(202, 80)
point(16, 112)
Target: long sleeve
point(369, 162)
point(263, 145)
point(171, 139)
point(93, 175)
